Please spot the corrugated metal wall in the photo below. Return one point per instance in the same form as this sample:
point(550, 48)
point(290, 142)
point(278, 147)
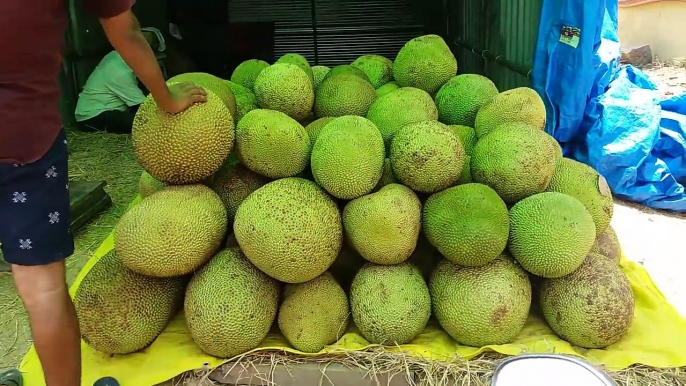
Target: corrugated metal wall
point(483, 30)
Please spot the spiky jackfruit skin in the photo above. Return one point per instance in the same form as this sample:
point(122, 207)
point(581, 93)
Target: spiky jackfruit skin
point(462, 96)
point(516, 163)
point(290, 229)
point(186, 147)
point(399, 108)
point(246, 72)
point(469, 224)
point(467, 137)
point(387, 176)
point(390, 304)
point(272, 144)
point(592, 307)
point(286, 88)
point(319, 73)
point(584, 183)
point(245, 100)
point(344, 95)
point(607, 244)
point(384, 226)
point(550, 234)
point(233, 183)
point(346, 69)
point(480, 306)
point(425, 62)
point(299, 61)
point(427, 156)
point(521, 104)
point(212, 83)
point(466, 176)
point(314, 314)
point(347, 159)
point(148, 185)
point(230, 305)
point(172, 232)
point(120, 311)
point(378, 69)
point(386, 89)
point(314, 128)
point(556, 146)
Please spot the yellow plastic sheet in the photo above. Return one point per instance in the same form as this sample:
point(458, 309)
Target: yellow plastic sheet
point(657, 338)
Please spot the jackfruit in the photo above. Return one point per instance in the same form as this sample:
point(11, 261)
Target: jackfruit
point(384, 226)
point(211, 83)
point(390, 303)
point(299, 61)
point(462, 96)
point(343, 95)
point(186, 147)
point(550, 234)
point(515, 163)
point(427, 156)
point(120, 311)
point(233, 183)
point(290, 229)
point(425, 256)
point(466, 176)
point(424, 62)
point(172, 232)
point(314, 314)
point(607, 244)
point(469, 224)
point(480, 306)
point(522, 104)
point(230, 305)
point(314, 128)
point(379, 70)
point(271, 143)
point(346, 265)
point(387, 176)
point(347, 159)
point(386, 89)
point(246, 72)
point(286, 88)
point(592, 307)
point(401, 107)
point(467, 137)
point(319, 72)
point(148, 185)
point(346, 69)
point(584, 183)
point(556, 146)
point(245, 100)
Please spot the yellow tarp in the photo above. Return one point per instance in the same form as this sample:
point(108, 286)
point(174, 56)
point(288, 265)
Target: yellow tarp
point(657, 338)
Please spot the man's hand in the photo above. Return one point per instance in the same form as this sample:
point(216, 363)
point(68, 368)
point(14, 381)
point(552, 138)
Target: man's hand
point(183, 95)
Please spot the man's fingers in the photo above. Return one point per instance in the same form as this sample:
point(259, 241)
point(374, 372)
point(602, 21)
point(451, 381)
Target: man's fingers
point(198, 98)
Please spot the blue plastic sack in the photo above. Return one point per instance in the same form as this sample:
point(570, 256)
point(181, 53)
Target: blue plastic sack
point(607, 116)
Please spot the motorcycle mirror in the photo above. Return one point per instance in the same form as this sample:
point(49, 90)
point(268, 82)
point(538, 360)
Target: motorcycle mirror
point(548, 369)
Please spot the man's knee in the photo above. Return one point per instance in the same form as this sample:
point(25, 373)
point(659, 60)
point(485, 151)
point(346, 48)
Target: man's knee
point(38, 284)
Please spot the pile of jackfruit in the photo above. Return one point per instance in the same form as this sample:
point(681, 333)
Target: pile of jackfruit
point(378, 194)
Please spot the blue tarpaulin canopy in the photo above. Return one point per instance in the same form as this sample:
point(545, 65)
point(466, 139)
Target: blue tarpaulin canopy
point(608, 116)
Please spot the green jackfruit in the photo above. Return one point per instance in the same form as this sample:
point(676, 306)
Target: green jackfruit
point(466, 176)
point(461, 97)
point(384, 226)
point(469, 224)
point(211, 83)
point(607, 244)
point(386, 89)
point(245, 100)
point(148, 185)
point(480, 306)
point(299, 61)
point(592, 307)
point(425, 62)
point(233, 183)
point(319, 73)
point(290, 229)
point(120, 311)
point(230, 305)
point(246, 72)
point(378, 69)
point(522, 104)
point(314, 314)
point(347, 159)
point(271, 143)
point(172, 232)
point(346, 69)
point(314, 128)
point(343, 95)
point(467, 137)
point(550, 234)
point(387, 176)
point(427, 156)
point(390, 303)
point(286, 88)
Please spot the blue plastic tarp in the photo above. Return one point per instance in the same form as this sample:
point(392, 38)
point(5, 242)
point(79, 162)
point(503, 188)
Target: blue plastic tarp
point(608, 116)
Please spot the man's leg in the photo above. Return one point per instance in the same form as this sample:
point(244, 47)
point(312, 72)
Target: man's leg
point(117, 122)
point(36, 239)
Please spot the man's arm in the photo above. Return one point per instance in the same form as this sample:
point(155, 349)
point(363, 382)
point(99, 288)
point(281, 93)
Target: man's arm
point(124, 33)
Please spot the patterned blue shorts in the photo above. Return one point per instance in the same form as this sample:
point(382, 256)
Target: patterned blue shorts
point(35, 213)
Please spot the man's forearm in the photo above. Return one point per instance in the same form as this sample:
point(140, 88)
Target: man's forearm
point(126, 37)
